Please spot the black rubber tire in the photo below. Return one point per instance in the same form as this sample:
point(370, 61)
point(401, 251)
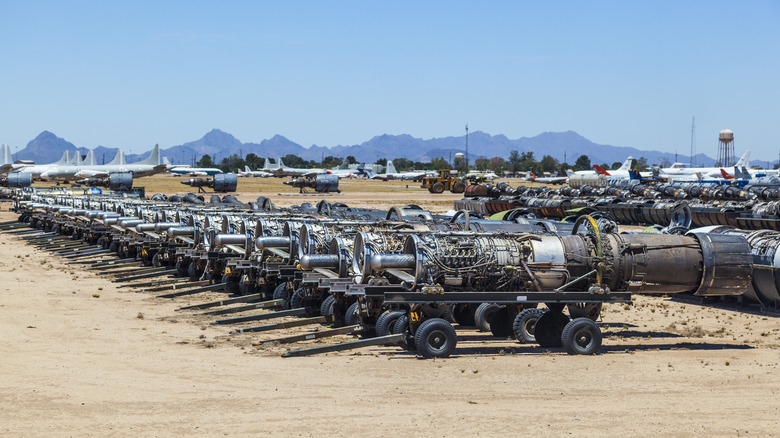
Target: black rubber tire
point(352, 317)
point(524, 325)
point(386, 322)
point(401, 327)
point(459, 187)
point(280, 293)
point(482, 316)
point(156, 260)
point(193, 272)
point(181, 269)
point(581, 336)
point(591, 311)
point(231, 284)
point(435, 337)
point(245, 288)
point(437, 188)
point(549, 328)
point(464, 314)
point(113, 247)
point(326, 307)
point(501, 323)
point(297, 298)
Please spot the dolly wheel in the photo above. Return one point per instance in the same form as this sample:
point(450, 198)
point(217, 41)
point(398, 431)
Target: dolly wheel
point(435, 338)
point(581, 336)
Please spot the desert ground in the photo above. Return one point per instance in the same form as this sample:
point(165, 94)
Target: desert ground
point(84, 357)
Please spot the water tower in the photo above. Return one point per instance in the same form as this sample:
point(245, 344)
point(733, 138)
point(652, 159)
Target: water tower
point(459, 157)
point(726, 148)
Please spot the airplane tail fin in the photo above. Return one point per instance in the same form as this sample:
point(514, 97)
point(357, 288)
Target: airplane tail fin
point(90, 159)
point(390, 167)
point(743, 173)
point(280, 162)
point(626, 164)
point(569, 172)
point(726, 175)
point(344, 164)
point(6, 155)
point(76, 159)
point(119, 158)
point(247, 169)
point(532, 175)
point(269, 165)
point(699, 176)
point(744, 161)
point(634, 174)
point(600, 170)
point(65, 158)
point(154, 157)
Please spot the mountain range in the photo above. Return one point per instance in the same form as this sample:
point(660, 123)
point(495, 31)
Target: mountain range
point(47, 147)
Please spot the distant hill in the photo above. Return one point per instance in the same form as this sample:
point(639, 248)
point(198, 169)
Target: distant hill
point(47, 147)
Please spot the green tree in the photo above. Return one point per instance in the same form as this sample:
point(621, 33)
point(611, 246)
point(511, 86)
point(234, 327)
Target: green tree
point(205, 161)
point(253, 161)
point(232, 163)
point(641, 164)
point(331, 161)
point(381, 162)
point(549, 164)
point(582, 163)
point(482, 163)
point(402, 164)
point(294, 161)
point(497, 165)
point(440, 163)
point(615, 166)
point(351, 160)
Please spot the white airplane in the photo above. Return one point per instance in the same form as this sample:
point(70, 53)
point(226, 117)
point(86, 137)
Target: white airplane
point(38, 169)
point(549, 180)
point(681, 172)
point(254, 173)
point(391, 173)
point(186, 169)
point(280, 170)
point(66, 170)
point(620, 172)
point(481, 175)
point(343, 171)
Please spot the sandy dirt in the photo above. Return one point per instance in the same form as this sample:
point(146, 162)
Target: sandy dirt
point(82, 357)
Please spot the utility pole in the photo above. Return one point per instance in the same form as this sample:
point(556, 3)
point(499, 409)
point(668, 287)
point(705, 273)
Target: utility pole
point(467, 147)
point(693, 139)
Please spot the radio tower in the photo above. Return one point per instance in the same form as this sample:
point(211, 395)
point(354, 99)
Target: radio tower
point(693, 140)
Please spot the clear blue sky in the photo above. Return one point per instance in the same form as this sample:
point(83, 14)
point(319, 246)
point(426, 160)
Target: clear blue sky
point(628, 73)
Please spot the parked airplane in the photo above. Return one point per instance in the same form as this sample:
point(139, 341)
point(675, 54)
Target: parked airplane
point(680, 172)
point(391, 173)
point(548, 180)
point(345, 172)
point(475, 174)
point(64, 171)
point(280, 170)
point(185, 169)
point(254, 173)
point(36, 170)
